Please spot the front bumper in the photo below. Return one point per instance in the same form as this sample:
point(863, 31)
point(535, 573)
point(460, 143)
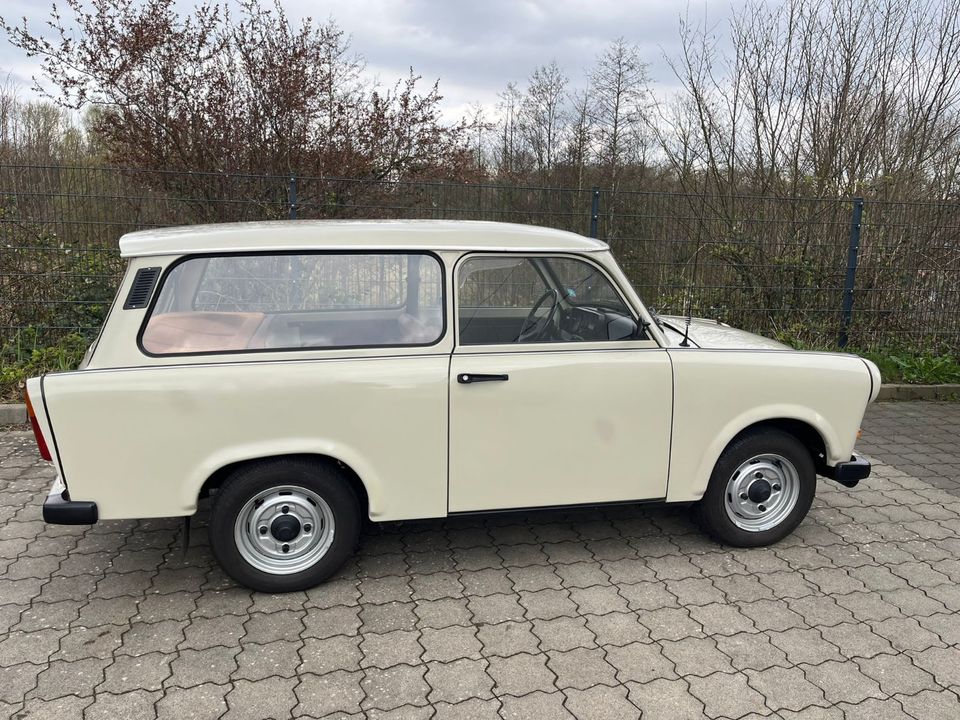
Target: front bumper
point(59, 509)
point(851, 472)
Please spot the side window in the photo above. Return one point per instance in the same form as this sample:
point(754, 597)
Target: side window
point(288, 301)
point(517, 299)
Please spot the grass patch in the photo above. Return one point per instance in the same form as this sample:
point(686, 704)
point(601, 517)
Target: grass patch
point(926, 367)
point(915, 368)
point(25, 357)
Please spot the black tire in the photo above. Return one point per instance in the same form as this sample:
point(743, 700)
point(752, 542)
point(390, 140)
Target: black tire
point(711, 510)
point(314, 476)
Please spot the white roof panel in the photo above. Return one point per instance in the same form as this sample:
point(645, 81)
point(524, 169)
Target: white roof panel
point(353, 235)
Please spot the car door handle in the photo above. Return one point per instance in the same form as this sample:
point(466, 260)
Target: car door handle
point(467, 378)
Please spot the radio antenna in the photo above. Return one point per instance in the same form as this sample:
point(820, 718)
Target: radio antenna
point(696, 264)
point(686, 329)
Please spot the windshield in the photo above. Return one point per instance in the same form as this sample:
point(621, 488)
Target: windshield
point(584, 284)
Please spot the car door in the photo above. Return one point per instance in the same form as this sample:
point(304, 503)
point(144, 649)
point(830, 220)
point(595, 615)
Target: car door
point(549, 411)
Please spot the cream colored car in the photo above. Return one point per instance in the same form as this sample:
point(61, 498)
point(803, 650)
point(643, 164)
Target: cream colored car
point(306, 374)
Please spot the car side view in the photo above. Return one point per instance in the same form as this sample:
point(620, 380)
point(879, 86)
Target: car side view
point(305, 374)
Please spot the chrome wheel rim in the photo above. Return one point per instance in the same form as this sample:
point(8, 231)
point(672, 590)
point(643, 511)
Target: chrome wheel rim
point(284, 530)
point(762, 492)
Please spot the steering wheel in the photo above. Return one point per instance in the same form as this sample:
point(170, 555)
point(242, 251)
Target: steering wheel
point(533, 328)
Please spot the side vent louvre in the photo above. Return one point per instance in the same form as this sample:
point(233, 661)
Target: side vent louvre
point(142, 288)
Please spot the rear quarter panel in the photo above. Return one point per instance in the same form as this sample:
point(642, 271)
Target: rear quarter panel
point(719, 393)
point(141, 442)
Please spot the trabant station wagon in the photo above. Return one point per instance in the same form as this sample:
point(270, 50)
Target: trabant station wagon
point(308, 374)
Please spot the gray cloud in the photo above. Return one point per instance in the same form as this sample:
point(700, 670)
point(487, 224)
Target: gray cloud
point(13, 63)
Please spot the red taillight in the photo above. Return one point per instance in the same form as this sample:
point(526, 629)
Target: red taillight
point(41, 443)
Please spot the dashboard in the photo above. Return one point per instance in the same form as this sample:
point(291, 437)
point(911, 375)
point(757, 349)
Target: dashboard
point(585, 324)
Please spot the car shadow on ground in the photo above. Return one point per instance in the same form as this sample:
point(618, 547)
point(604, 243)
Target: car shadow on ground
point(467, 542)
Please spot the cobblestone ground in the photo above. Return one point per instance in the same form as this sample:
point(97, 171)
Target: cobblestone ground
point(549, 615)
point(918, 438)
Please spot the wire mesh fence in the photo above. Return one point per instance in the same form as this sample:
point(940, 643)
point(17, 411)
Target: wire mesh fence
point(778, 266)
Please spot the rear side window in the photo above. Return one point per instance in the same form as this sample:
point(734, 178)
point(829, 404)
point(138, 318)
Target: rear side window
point(236, 303)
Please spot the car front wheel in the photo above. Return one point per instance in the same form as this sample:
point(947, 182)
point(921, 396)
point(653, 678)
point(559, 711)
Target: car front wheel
point(760, 490)
point(284, 525)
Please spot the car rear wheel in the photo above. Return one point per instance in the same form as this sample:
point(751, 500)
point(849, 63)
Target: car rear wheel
point(284, 525)
point(760, 490)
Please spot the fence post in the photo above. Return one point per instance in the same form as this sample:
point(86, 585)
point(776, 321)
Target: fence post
point(292, 197)
point(853, 250)
point(594, 211)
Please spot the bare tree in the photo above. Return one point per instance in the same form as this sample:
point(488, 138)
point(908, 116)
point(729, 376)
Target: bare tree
point(821, 97)
point(510, 153)
point(579, 144)
point(544, 116)
point(619, 92)
point(479, 129)
point(9, 106)
point(38, 132)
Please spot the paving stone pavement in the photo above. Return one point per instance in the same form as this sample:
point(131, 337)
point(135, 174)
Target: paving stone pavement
point(588, 614)
point(918, 438)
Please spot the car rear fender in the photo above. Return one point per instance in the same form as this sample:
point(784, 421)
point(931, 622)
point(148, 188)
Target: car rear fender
point(224, 457)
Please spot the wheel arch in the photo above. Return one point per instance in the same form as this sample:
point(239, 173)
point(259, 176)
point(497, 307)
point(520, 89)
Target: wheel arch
point(803, 431)
point(810, 428)
point(218, 476)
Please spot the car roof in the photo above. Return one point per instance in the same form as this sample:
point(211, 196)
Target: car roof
point(352, 235)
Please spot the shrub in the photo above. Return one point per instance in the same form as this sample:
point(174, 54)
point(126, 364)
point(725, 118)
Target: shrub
point(24, 357)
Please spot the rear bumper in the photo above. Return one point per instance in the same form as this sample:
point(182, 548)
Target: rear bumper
point(851, 472)
point(59, 509)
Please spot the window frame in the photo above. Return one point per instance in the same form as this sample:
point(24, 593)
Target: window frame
point(557, 346)
point(164, 276)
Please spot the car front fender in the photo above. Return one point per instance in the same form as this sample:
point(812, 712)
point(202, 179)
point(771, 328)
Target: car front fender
point(719, 394)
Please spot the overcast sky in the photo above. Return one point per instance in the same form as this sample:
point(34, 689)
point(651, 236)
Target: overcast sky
point(473, 47)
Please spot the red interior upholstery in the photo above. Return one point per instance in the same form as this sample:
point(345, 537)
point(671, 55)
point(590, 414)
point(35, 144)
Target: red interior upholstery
point(185, 332)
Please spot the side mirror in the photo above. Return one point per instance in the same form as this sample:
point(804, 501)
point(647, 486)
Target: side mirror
point(621, 328)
